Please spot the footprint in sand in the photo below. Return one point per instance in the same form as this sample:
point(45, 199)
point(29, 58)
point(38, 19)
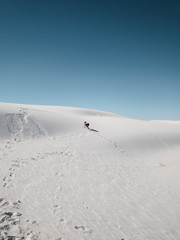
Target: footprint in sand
point(85, 205)
point(84, 229)
point(56, 208)
point(31, 236)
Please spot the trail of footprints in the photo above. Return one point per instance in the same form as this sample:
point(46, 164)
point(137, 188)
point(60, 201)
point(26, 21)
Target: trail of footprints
point(117, 146)
point(6, 148)
point(16, 164)
point(67, 154)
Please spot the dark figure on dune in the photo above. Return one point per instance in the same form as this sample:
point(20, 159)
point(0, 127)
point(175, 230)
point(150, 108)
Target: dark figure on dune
point(86, 124)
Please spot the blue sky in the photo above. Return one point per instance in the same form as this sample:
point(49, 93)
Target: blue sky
point(112, 55)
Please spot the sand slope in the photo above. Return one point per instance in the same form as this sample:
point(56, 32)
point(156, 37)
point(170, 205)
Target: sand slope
point(118, 180)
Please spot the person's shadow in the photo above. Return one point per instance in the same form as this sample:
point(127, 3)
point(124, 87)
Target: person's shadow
point(93, 130)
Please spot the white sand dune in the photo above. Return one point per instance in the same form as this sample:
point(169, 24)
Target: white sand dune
point(118, 180)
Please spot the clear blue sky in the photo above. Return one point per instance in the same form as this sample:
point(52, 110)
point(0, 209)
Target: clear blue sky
point(119, 56)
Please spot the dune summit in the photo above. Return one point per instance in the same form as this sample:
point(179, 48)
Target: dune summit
point(59, 180)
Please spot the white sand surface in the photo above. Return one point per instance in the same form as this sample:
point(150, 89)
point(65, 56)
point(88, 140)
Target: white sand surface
point(59, 180)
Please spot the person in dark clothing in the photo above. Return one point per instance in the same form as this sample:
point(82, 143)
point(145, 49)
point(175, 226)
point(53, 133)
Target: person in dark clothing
point(86, 124)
